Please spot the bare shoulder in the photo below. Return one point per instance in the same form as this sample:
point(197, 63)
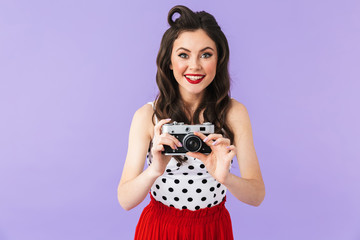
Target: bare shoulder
point(237, 116)
point(143, 116)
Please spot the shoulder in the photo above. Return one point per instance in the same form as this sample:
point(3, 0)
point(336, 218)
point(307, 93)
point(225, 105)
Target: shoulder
point(143, 118)
point(236, 110)
point(238, 116)
point(144, 111)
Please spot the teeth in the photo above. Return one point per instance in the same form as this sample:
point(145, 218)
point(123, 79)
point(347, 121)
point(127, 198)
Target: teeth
point(194, 77)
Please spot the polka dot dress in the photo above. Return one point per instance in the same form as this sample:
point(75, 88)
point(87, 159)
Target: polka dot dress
point(188, 186)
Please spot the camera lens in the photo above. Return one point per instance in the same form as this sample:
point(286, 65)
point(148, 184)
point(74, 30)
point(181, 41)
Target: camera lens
point(192, 143)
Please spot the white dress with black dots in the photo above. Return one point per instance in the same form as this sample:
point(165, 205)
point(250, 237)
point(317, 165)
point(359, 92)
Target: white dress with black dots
point(188, 186)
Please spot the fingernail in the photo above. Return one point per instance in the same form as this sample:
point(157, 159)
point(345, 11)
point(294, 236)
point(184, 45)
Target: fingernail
point(205, 139)
point(180, 145)
point(168, 119)
point(214, 143)
point(228, 147)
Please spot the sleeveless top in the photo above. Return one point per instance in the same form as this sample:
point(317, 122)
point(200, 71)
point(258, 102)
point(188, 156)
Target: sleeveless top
point(187, 186)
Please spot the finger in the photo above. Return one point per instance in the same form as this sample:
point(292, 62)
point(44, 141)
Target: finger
point(213, 136)
point(218, 141)
point(157, 128)
point(206, 138)
point(232, 149)
point(158, 148)
point(174, 139)
point(168, 141)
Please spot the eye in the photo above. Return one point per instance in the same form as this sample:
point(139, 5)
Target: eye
point(206, 55)
point(183, 55)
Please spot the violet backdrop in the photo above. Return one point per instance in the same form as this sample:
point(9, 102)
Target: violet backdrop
point(72, 74)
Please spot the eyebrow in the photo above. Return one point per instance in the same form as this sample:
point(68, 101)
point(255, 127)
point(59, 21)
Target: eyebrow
point(181, 48)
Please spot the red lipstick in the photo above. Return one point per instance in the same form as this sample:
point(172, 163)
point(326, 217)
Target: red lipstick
point(194, 81)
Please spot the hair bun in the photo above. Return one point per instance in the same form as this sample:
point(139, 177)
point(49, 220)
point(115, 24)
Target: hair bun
point(187, 17)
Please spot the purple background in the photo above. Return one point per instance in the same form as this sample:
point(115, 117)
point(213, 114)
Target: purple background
point(72, 74)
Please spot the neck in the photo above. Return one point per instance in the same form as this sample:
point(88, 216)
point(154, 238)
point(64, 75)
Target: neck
point(192, 101)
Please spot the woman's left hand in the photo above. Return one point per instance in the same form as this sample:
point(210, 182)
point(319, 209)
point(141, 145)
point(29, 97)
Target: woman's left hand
point(218, 162)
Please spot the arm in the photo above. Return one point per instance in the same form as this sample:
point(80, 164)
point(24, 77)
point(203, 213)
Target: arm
point(136, 183)
point(249, 188)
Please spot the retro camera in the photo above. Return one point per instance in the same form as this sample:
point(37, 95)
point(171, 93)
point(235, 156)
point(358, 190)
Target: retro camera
point(185, 134)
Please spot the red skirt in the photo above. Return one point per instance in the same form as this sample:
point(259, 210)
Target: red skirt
point(158, 221)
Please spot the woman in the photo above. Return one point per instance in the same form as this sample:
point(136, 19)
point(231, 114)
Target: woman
point(188, 192)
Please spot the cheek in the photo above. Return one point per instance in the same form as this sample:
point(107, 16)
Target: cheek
point(179, 67)
point(211, 67)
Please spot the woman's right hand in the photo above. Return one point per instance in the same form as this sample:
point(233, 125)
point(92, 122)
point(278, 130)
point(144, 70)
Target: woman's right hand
point(159, 160)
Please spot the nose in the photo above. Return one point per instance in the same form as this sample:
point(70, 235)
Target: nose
point(194, 64)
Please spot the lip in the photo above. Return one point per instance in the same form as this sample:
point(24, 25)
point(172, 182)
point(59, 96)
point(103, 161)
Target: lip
point(196, 81)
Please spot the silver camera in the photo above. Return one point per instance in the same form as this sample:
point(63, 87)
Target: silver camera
point(185, 134)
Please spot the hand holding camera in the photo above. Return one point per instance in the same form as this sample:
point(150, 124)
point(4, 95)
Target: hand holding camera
point(160, 141)
point(218, 162)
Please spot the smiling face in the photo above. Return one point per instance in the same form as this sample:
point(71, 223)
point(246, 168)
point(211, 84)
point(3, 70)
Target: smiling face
point(193, 61)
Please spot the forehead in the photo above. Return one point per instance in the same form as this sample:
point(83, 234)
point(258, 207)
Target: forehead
point(194, 40)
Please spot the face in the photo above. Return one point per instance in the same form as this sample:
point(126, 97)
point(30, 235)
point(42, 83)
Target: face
point(193, 61)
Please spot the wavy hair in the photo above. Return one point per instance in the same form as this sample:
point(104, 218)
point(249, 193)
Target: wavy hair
point(216, 101)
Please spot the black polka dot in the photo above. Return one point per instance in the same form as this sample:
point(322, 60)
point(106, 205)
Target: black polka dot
point(198, 190)
point(170, 173)
point(177, 168)
point(212, 189)
point(177, 181)
point(168, 170)
point(184, 190)
point(157, 186)
point(223, 191)
point(204, 181)
point(197, 207)
point(171, 205)
point(218, 185)
point(191, 167)
point(214, 195)
point(223, 198)
point(171, 189)
point(154, 193)
point(191, 181)
point(203, 199)
point(184, 207)
point(232, 160)
point(164, 198)
point(163, 180)
point(178, 164)
point(199, 174)
point(202, 166)
point(215, 202)
point(176, 198)
point(185, 173)
point(190, 199)
point(209, 205)
point(185, 158)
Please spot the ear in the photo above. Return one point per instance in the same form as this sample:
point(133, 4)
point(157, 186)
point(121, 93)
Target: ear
point(171, 68)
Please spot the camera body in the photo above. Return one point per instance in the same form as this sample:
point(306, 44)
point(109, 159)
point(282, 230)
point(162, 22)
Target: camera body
point(185, 134)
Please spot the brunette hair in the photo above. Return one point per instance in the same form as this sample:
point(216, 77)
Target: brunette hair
point(216, 100)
